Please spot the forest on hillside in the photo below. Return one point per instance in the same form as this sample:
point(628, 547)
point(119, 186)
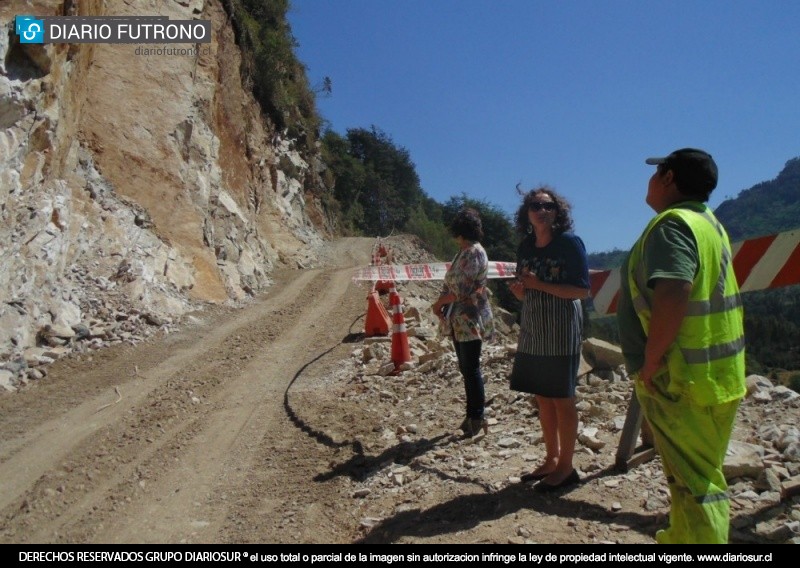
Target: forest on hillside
point(766, 208)
point(370, 187)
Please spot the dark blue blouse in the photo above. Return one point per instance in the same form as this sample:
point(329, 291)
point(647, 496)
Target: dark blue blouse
point(563, 261)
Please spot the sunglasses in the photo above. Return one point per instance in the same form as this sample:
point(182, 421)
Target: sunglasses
point(539, 205)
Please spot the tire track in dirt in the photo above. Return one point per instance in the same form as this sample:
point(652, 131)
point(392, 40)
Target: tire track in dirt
point(158, 465)
point(106, 458)
point(280, 494)
point(191, 501)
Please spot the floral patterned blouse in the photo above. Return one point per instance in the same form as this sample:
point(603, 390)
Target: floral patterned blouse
point(470, 317)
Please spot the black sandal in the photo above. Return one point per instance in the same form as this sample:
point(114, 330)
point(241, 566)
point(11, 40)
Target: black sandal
point(572, 479)
point(528, 477)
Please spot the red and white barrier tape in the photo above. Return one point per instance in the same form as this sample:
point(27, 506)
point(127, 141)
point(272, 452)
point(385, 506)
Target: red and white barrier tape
point(764, 262)
point(429, 271)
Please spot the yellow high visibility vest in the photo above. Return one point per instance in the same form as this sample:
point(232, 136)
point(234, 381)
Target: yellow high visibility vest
point(706, 361)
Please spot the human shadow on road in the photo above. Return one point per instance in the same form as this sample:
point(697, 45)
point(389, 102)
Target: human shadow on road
point(360, 465)
point(467, 511)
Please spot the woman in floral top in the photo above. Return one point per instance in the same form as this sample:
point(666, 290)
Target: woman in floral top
point(465, 313)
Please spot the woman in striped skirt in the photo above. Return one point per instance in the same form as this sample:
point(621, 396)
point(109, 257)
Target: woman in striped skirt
point(552, 279)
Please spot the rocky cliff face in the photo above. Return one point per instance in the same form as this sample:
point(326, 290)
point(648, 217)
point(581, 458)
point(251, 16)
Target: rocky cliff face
point(134, 186)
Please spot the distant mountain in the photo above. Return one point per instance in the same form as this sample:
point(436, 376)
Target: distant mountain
point(608, 259)
point(766, 208)
point(772, 317)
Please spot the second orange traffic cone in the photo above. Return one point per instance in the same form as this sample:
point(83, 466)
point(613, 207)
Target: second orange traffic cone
point(383, 286)
point(377, 321)
point(400, 350)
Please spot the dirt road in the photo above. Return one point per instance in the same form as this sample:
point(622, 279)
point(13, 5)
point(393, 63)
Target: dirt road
point(189, 438)
point(265, 425)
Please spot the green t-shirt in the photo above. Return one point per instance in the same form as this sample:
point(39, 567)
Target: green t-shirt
point(669, 252)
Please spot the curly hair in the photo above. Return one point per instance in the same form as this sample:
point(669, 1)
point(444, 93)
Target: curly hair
point(467, 224)
point(563, 221)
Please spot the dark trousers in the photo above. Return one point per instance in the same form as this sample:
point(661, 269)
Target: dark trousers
point(469, 363)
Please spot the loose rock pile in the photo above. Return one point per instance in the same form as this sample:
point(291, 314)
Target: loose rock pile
point(417, 413)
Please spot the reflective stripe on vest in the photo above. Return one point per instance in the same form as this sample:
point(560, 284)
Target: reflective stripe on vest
point(709, 351)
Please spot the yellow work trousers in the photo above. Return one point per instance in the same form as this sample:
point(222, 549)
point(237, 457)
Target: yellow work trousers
point(692, 441)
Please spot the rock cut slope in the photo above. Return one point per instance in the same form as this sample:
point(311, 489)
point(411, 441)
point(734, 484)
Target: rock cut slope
point(134, 186)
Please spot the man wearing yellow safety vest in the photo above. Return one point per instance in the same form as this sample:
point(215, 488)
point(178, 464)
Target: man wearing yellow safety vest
point(681, 328)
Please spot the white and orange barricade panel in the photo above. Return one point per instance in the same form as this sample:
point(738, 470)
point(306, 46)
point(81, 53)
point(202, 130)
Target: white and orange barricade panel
point(761, 263)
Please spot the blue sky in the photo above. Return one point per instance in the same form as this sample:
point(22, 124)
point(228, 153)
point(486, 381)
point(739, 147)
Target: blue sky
point(486, 94)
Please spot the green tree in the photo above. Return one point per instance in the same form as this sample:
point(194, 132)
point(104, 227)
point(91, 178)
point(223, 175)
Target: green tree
point(766, 208)
point(499, 240)
point(608, 259)
point(375, 181)
point(433, 234)
point(269, 64)
point(392, 188)
point(348, 178)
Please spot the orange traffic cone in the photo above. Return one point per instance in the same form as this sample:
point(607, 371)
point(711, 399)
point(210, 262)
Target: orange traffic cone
point(400, 351)
point(377, 321)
